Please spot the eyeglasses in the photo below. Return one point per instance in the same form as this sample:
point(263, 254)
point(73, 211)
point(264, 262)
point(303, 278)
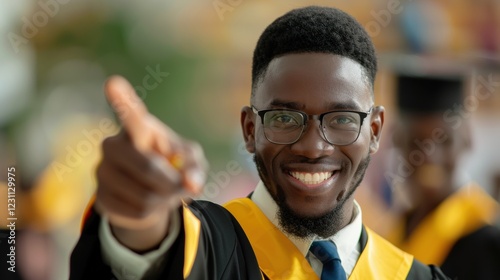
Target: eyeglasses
point(284, 126)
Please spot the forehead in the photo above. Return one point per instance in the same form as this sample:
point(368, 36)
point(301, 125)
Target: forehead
point(314, 82)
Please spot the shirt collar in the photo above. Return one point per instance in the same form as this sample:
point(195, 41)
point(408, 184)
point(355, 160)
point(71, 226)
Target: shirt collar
point(346, 239)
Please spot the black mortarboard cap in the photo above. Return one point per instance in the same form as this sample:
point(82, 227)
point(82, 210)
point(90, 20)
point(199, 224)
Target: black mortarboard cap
point(428, 94)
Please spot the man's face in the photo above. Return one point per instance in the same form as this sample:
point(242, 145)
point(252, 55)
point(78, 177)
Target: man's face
point(313, 83)
point(433, 148)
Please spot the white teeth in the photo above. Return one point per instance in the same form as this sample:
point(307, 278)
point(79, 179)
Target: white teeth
point(308, 177)
point(316, 177)
point(311, 178)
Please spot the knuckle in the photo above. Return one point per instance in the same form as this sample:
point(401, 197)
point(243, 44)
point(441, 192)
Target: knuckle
point(109, 141)
point(196, 153)
point(149, 167)
point(194, 148)
point(115, 143)
point(108, 145)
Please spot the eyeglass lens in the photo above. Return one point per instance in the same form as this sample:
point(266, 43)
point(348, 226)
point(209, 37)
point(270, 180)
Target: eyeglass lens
point(286, 127)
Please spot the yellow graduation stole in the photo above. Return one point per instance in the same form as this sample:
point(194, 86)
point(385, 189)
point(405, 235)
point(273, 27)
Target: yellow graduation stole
point(279, 258)
point(192, 229)
point(465, 211)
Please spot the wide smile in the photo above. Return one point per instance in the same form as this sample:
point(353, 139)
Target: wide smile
point(313, 180)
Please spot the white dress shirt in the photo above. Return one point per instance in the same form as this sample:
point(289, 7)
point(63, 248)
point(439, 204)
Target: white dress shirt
point(128, 265)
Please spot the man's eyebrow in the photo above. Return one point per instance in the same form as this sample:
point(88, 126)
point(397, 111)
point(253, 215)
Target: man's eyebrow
point(287, 104)
point(349, 105)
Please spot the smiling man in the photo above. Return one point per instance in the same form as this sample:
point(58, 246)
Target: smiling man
point(312, 125)
point(308, 145)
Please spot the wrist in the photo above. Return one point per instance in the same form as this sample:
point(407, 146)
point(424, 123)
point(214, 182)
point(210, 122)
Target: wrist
point(144, 239)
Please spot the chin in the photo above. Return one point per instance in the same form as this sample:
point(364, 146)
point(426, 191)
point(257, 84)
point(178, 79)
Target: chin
point(321, 221)
point(312, 208)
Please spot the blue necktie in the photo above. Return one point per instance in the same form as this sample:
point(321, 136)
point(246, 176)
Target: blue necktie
point(326, 252)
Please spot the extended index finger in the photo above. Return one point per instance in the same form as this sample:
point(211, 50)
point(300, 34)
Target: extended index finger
point(130, 109)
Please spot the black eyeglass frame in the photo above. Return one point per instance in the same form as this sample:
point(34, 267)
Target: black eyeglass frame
point(319, 117)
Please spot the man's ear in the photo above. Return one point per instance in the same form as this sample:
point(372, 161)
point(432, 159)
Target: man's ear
point(248, 128)
point(376, 123)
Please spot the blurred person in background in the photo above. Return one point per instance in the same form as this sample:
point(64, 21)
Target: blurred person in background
point(312, 65)
point(48, 204)
point(448, 221)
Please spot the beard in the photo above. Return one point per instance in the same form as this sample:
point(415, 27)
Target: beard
point(302, 226)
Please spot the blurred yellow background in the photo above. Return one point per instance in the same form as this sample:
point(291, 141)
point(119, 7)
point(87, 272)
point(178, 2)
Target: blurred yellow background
point(190, 62)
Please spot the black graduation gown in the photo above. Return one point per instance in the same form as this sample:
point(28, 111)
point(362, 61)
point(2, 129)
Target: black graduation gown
point(224, 252)
point(475, 256)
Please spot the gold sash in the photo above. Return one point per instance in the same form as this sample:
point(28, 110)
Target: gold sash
point(279, 258)
point(465, 211)
point(192, 226)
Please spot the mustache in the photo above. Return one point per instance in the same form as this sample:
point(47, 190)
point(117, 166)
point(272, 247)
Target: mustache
point(322, 160)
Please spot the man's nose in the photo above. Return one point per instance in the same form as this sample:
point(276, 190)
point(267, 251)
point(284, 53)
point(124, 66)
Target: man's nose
point(312, 143)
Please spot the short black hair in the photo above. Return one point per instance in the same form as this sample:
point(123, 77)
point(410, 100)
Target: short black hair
point(314, 29)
